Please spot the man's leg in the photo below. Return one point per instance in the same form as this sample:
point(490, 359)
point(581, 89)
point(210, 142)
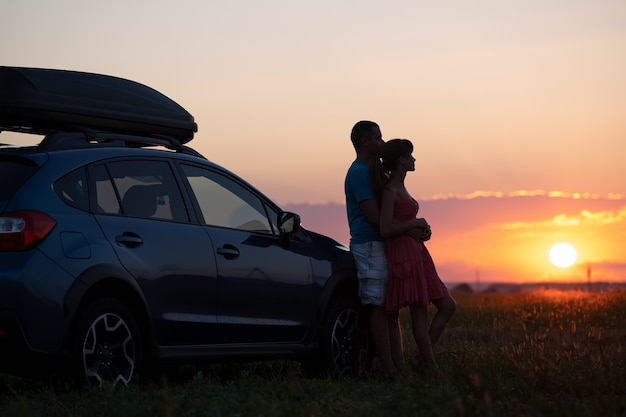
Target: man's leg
point(379, 330)
point(371, 265)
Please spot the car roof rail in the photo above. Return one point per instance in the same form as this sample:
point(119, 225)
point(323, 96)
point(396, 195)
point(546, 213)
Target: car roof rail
point(85, 138)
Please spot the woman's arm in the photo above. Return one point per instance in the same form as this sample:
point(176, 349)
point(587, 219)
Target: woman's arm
point(388, 227)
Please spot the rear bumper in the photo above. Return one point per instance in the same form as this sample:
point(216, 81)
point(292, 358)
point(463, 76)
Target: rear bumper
point(11, 333)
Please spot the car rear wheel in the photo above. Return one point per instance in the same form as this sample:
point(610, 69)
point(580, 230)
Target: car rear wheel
point(345, 346)
point(106, 345)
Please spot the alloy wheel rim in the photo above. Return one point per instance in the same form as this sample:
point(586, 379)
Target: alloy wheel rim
point(108, 351)
point(349, 344)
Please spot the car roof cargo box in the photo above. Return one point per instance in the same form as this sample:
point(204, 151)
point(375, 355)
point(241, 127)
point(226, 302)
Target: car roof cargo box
point(43, 101)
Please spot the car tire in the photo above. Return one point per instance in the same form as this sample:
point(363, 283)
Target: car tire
point(106, 345)
point(345, 346)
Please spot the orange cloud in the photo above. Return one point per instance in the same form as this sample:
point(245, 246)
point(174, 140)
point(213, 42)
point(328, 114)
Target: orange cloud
point(585, 217)
point(523, 193)
point(604, 217)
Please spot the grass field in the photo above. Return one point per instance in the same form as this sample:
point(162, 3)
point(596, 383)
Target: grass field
point(540, 353)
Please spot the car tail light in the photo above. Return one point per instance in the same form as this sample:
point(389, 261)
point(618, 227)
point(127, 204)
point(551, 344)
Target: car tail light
point(24, 229)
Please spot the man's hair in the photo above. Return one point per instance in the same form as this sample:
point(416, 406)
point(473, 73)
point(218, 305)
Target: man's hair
point(362, 129)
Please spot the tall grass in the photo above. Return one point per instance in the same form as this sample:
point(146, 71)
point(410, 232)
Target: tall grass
point(540, 353)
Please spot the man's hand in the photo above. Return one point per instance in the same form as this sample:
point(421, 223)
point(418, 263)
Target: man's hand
point(426, 233)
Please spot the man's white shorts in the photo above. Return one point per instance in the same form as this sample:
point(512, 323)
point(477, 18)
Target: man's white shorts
point(371, 266)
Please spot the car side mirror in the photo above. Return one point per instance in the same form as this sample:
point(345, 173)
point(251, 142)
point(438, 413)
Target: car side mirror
point(288, 222)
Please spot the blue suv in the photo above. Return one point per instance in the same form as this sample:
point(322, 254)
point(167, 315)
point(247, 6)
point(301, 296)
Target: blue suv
point(122, 249)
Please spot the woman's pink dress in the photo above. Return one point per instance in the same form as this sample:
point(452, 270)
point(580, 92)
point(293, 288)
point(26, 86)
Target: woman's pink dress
point(413, 279)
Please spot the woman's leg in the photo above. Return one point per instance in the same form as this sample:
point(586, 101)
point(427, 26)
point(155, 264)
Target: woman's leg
point(395, 339)
point(419, 322)
point(446, 307)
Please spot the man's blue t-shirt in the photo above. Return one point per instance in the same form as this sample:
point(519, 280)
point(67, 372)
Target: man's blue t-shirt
point(358, 188)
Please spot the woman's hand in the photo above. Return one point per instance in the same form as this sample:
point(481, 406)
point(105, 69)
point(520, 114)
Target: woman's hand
point(421, 230)
point(421, 223)
point(425, 232)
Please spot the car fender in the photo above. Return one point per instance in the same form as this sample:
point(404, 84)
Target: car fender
point(100, 281)
point(342, 283)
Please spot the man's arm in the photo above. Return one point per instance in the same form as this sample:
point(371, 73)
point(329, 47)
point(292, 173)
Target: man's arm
point(371, 211)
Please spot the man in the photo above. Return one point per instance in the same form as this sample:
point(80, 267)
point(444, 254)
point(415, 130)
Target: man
point(368, 248)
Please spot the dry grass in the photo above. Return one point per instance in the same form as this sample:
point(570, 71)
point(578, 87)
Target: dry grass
point(541, 353)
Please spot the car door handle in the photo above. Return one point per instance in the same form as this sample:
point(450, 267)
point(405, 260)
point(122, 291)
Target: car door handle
point(228, 251)
point(129, 239)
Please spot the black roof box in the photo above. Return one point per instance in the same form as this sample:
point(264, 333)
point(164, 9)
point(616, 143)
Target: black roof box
point(43, 101)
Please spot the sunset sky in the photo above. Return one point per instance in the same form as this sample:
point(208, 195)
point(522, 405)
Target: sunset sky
point(517, 109)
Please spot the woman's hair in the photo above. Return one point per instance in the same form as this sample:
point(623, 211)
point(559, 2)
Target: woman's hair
point(394, 150)
point(380, 170)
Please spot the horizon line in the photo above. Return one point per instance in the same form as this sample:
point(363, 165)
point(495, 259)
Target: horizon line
point(501, 194)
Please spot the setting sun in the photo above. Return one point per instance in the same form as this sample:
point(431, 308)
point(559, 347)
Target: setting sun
point(563, 255)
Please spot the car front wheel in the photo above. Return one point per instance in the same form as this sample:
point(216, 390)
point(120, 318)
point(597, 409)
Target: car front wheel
point(345, 345)
point(106, 345)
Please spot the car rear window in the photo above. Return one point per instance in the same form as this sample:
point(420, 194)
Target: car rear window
point(14, 172)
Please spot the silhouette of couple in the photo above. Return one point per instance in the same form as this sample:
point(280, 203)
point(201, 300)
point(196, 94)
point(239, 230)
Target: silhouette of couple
point(395, 269)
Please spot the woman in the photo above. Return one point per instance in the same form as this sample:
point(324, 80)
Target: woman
point(413, 279)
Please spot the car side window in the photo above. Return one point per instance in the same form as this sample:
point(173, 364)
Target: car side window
point(72, 189)
point(144, 189)
point(226, 203)
point(106, 197)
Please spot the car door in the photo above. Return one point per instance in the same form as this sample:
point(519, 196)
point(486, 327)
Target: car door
point(141, 211)
point(264, 289)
